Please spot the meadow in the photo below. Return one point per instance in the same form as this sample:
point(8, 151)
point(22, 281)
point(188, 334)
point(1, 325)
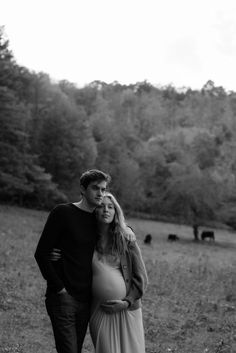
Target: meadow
point(189, 306)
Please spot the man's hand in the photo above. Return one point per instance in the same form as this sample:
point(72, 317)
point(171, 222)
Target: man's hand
point(130, 234)
point(55, 255)
point(114, 306)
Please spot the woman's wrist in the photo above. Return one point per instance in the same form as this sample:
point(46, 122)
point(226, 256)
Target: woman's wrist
point(126, 302)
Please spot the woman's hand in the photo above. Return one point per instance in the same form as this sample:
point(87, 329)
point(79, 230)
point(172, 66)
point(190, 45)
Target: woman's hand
point(114, 306)
point(55, 255)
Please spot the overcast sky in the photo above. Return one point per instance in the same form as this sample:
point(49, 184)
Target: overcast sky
point(179, 42)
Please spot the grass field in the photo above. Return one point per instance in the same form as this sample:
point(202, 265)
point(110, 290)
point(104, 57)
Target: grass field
point(189, 307)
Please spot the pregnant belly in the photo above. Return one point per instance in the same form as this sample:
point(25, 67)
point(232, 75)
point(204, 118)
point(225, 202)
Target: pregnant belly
point(108, 283)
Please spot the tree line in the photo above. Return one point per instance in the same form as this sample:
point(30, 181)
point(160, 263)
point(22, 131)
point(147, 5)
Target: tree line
point(171, 153)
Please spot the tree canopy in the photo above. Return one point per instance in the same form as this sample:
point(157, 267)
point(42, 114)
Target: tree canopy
point(171, 153)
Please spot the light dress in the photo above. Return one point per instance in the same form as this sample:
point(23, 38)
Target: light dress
point(120, 332)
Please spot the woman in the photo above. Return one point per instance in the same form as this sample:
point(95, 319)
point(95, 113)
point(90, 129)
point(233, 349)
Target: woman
point(119, 280)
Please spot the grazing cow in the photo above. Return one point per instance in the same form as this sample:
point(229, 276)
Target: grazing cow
point(208, 234)
point(148, 239)
point(173, 237)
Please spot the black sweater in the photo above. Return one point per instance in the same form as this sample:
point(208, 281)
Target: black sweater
point(74, 232)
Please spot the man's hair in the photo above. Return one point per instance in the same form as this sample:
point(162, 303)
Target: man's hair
point(93, 175)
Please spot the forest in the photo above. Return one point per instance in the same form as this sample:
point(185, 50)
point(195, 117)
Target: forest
point(171, 152)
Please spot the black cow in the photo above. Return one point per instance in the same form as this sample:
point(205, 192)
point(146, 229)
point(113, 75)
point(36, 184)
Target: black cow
point(148, 239)
point(208, 234)
point(173, 237)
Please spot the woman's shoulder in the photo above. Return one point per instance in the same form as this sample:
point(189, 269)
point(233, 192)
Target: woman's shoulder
point(131, 244)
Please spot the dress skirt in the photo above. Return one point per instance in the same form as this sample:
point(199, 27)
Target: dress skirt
point(120, 332)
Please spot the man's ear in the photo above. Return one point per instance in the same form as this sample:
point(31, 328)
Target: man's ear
point(82, 190)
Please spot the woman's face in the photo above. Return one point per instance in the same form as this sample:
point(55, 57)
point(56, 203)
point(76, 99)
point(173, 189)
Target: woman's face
point(106, 211)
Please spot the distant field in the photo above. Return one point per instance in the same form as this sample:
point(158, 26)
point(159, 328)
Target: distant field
point(189, 307)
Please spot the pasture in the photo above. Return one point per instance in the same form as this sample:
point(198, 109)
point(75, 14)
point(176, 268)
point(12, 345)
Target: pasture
point(189, 307)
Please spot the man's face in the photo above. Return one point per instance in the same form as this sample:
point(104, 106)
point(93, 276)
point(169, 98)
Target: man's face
point(94, 193)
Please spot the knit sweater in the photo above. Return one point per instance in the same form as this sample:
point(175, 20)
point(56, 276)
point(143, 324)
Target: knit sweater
point(73, 231)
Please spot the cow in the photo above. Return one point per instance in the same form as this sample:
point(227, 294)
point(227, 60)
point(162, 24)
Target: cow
point(208, 234)
point(173, 237)
point(148, 239)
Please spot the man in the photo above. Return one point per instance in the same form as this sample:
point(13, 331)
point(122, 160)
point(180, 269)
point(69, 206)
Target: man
point(71, 228)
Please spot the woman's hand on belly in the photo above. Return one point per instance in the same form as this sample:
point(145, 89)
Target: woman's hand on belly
point(114, 306)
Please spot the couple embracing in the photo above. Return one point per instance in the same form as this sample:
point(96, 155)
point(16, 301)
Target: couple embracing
point(94, 272)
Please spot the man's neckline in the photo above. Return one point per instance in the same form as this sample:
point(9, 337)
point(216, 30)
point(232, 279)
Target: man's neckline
point(81, 209)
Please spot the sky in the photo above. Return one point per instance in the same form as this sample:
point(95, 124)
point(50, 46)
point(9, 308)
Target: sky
point(184, 43)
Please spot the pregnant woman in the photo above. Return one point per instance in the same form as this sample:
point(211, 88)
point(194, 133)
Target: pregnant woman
point(119, 280)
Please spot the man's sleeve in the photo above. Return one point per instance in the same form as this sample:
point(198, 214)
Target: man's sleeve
point(139, 278)
point(48, 240)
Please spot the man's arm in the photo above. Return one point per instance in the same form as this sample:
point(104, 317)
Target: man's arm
point(129, 234)
point(48, 240)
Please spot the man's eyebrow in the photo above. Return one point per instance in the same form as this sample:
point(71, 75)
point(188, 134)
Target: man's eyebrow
point(98, 187)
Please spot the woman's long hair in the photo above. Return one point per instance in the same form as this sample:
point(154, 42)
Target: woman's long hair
point(118, 228)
